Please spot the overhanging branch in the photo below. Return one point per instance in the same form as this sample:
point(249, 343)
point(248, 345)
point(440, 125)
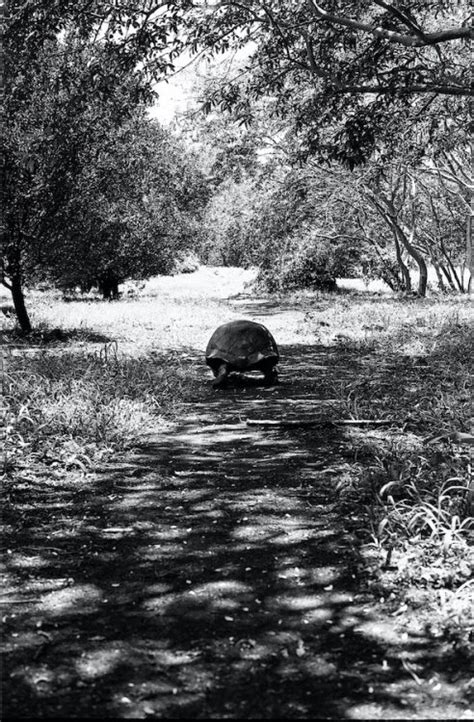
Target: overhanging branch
point(417, 40)
point(405, 89)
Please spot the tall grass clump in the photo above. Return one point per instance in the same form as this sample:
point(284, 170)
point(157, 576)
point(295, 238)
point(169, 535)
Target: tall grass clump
point(70, 409)
point(418, 481)
point(413, 483)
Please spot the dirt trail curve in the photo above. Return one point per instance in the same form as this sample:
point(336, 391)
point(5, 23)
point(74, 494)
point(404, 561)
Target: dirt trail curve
point(210, 576)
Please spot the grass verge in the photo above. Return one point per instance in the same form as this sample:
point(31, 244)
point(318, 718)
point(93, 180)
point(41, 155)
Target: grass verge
point(409, 488)
point(70, 410)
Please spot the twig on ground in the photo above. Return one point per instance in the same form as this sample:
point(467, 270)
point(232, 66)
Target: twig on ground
point(319, 422)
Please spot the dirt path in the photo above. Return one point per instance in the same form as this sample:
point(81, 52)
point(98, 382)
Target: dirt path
point(209, 575)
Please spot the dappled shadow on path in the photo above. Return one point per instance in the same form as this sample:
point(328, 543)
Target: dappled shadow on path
point(208, 576)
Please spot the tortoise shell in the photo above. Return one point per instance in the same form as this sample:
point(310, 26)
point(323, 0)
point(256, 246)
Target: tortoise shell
point(243, 345)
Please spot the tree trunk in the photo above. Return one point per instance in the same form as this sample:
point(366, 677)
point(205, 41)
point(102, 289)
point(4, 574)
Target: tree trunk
point(409, 243)
point(440, 278)
point(447, 274)
point(470, 245)
point(415, 254)
point(19, 303)
point(423, 279)
point(406, 236)
point(452, 270)
point(108, 284)
point(402, 266)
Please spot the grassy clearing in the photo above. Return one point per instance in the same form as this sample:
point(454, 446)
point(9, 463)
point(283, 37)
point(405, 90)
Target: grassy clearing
point(114, 371)
point(381, 324)
point(69, 410)
point(120, 369)
point(94, 376)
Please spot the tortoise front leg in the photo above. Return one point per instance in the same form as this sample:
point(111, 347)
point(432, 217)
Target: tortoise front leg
point(271, 377)
point(221, 376)
point(269, 371)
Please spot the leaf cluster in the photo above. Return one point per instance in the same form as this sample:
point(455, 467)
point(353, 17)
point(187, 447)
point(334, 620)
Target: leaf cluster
point(348, 76)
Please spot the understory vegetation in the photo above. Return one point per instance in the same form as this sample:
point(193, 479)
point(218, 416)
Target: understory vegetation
point(325, 147)
point(116, 373)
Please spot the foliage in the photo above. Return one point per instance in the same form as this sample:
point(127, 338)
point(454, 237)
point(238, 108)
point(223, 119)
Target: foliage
point(130, 32)
point(379, 221)
point(93, 190)
point(341, 70)
point(346, 75)
point(229, 151)
point(307, 263)
point(135, 204)
point(227, 225)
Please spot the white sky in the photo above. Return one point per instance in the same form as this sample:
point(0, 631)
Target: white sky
point(176, 95)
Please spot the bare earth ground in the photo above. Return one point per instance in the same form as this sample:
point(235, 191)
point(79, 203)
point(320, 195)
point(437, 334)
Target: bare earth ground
point(209, 575)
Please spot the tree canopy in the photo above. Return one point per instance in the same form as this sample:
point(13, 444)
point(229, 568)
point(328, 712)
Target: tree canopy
point(346, 74)
point(75, 77)
point(351, 81)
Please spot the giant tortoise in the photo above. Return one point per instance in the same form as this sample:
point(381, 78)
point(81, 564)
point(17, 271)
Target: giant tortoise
point(242, 346)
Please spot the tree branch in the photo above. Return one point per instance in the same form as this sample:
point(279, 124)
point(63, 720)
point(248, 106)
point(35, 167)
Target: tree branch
point(403, 17)
point(406, 89)
point(393, 37)
point(280, 32)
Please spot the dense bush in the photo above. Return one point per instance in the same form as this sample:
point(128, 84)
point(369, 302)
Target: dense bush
point(307, 264)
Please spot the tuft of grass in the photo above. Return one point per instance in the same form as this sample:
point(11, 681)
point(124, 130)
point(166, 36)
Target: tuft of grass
point(410, 485)
point(436, 513)
point(384, 325)
point(67, 409)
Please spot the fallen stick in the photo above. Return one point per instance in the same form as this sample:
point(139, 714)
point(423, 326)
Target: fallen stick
point(363, 422)
point(462, 438)
point(319, 422)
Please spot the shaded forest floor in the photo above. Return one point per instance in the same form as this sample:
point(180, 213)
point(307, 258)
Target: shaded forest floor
point(216, 569)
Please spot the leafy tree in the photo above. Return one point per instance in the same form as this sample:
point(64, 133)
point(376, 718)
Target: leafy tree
point(136, 203)
point(52, 120)
point(346, 74)
point(75, 78)
point(230, 150)
point(74, 69)
point(305, 226)
point(353, 82)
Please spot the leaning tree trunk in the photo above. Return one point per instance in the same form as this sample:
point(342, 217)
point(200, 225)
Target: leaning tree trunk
point(404, 270)
point(470, 245)
point(19, 303)
point(421, 263)
point(405, 236)
point(439, 276)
